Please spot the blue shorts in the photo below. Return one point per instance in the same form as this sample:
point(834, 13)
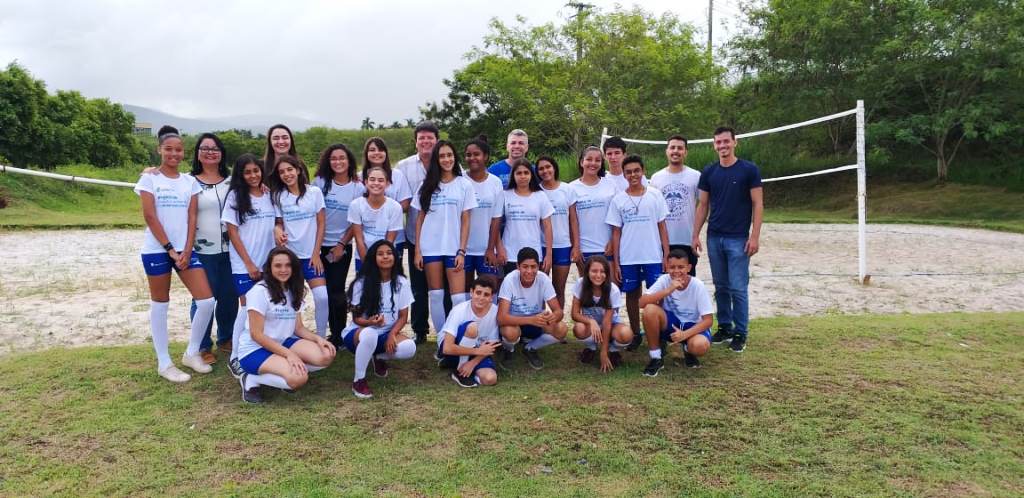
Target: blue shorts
point(669, 330)
point(252, 361)
point(160, 263)
point(242, 283)
point(307, 269)
point(451, 360)
point(587, 255)
point(479, 265)
point(530, 332)
point(633, 274)
point(449, 261)
point(349, 340)
point(560, 256)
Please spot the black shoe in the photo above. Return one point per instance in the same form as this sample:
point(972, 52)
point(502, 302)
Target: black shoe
point(507, 357)
point(464, 381)
point(533, 358)
point(653, 367)
point(738, 344)
point(421, 337)
point(690, 360)
point(635, 343)
point(722, 336)
point(616, 358)
point(336, 340)
point(253, 395)
point(448, 363)
point(236, 368)
point(587, 356)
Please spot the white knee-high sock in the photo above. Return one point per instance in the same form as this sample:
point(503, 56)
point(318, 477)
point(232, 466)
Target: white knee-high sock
point(590, 342)
point(204, 313)
point(459, 298)
point(466, 342)
point(364, 351)
point(543, 340)
point(158, 328)
point(403, 351)
point(321, 310)
point(236, 331)
point(436, 298)
point(267, 379)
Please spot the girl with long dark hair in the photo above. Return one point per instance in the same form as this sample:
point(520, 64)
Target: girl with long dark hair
point(480, 257)
point(595, 311)
point(280, 142)
point(564, 226)
point(527, 213)
point(593, 196)
point(375, 154)
point(374, 216)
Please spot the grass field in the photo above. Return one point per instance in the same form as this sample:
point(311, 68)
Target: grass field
point(924, 405)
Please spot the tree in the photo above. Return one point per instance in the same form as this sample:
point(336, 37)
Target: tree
point(22, 126)
point(368, 124)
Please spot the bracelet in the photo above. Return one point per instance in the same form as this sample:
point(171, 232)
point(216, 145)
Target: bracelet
point(460, 252)
point(168, 246)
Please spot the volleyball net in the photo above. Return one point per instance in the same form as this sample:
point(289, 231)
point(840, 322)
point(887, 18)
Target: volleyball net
point(859, 166)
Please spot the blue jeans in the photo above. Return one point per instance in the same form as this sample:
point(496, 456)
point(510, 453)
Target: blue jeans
point(218, 274)
point(730, 271)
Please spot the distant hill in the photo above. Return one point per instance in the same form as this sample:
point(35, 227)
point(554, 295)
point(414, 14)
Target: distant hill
point(257, 123)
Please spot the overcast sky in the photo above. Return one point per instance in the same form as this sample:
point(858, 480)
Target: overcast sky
point(331, 61)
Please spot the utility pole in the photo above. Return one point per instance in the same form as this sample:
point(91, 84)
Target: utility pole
point(711, 8)
point(580, 7)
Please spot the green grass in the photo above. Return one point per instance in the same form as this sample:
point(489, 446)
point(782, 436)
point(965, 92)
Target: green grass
point(35, 202)
point(922, 405)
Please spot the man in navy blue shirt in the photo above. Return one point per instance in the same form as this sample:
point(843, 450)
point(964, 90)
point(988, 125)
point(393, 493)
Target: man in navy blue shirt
point(517, 145)
point(730, 190)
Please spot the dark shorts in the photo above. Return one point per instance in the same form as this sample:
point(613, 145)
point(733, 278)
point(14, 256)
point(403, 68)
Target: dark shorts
point(560, 256)
point(479, 265)
point(349, 340)
point(252, 361)
point(242, 283)
point(451, 360)
point(673, 320)
point(307, 269)
point(449, 261)
point(587, 255)
point(160, 263)
point(632, 275)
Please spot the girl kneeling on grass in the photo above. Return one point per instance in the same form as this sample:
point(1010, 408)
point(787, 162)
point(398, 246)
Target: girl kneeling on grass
point(379, 299)
point(276, 349)
point(169, 206)
point(595, 309)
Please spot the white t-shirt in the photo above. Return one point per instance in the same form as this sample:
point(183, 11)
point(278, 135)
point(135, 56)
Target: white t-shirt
point(562, 197)
point(299, 216)
point(463, 312)
point(640, 242)
point(615, 299)
point(527, 301)
point(278, 319)
point(172, 197)
point(414, 171)
point(257, 233)
point(620, 180)
point(400, 191)
point(522, 221)
point(440, 234)
point(209, 230)
point(389, 307)
point(376, 223)
point(680, 191)
point(337, 201)
point(689, 304)
point(591, 210)
point(490, 201)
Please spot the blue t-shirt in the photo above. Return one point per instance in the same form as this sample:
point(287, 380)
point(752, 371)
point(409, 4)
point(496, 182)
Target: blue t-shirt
point(501, 169)
point(729, 195)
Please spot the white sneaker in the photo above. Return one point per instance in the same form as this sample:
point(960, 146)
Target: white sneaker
point(172, 374)
point(195, 362)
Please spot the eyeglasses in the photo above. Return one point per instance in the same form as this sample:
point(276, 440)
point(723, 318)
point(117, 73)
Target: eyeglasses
point(209, 150)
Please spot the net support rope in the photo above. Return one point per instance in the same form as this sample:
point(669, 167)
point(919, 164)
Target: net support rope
point(861, 167)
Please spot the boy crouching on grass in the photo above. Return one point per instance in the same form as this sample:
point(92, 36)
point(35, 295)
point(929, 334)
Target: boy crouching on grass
point(469, 338)
point(527, 307)
point(679, 306)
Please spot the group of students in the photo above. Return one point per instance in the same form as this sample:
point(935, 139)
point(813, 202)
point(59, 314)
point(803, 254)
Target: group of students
point(474, 235)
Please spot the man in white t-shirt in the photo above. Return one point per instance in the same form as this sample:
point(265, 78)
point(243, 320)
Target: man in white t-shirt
point(521, 310)
point(677, 310)
point(414, 168)
point(615, 152)
point(470, 337)
point(678, 184)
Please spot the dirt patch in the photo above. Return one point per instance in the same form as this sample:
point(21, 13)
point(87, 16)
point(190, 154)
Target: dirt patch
point(86, 287)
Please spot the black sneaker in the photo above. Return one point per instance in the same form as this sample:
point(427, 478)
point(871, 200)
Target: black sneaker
point(690, 360)
point(722, 336)
point(253, 395)
point(635, 343)
point(616, 358)
point(421, 337)
point(653, 367)
point(533, 358)
point(236, 368)
point(587, 355)
point(464, 381)
point(738, 344)
point(448, 362)
point(507, 357)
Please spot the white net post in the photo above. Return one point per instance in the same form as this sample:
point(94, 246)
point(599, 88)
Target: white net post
point(604, 135)
point(862, 245)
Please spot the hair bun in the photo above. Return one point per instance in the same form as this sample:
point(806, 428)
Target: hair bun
point(481, 137)
point(165, 129)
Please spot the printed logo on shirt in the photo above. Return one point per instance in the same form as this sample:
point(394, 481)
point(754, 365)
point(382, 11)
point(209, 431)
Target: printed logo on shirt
point(520, 306)
point(295, 213)
point(679, 198)
point(518, 212)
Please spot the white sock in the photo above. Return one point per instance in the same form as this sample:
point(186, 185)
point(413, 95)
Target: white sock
point(540, 342)
point(158, 328)
point(321, 310)
point(204, 313)
point(509, 346)
point(615, 346)
point(590, 342)
point(459, 298)
point(267, 379)
point(436, 298)
point(364, 351)
point(466, 342)
point(313, 368)
point(404, 350)
point(236, 331)
point(655, 354)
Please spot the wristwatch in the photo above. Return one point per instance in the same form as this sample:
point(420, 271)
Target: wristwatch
point(168, 246)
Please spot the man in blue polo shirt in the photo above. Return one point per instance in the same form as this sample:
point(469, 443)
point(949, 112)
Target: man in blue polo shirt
point(517, 144)
point(730, 190)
